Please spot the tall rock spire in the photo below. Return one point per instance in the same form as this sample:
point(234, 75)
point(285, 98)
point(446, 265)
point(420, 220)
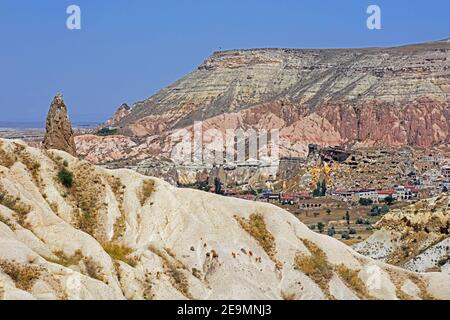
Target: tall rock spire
point(59, 133)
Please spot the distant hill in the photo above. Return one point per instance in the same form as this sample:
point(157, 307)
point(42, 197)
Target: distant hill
point(374, 96)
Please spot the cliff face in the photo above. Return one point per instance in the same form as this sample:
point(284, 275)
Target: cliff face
point(390, 96)
point(119, 235)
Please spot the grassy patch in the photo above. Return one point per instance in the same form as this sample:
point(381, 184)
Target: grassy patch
point(93, 269)
point(118, 189)
point(20, 209)
point(316, 267)
point(87, 194)
point(24, 276)
point(148, 288)
point(287, 296)
point(6, 159)
point(351, 279)
point(66, 261)
point(421, 284)
point(7, 222)
point(398, 282)
point(256, 227)
point(32, 165)
point(148, 187)
point(174, 270)
point(120, 252)
point(89, 266)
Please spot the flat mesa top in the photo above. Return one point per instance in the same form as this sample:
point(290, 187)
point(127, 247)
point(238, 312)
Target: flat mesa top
point(435, 45)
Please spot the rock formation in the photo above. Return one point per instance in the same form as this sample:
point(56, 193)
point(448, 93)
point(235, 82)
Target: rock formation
point(121, 112)
point(415, 237)
point(114, 234)
point(329, 97)
point(59, 133)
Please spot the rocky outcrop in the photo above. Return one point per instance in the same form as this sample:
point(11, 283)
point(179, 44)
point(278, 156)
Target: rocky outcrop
point(59, 133)
point(114, 234)
point(121, 112)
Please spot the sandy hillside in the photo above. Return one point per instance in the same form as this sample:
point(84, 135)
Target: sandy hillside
point(120, 235)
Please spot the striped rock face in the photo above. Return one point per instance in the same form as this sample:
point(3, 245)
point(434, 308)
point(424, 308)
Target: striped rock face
point(376, 97)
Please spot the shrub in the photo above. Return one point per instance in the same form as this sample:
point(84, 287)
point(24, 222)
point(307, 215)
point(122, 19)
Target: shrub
point(24, 276)
point(65, 260)
point(106, 132)
point(6, 159)
point(15, 204)
point(352, 231)
point(365, 202)
point(331, 232)
point(65, 177)
point(93, 269)
point(345, 235)
point(384, 209)
point(377, 211)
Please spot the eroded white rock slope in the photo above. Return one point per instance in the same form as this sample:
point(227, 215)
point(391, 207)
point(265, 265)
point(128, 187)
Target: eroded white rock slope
point(120, 235)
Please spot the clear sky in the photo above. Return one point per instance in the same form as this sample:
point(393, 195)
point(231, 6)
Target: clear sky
point(127, 50)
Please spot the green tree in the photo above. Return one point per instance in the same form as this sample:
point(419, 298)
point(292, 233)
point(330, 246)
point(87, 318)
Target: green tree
point(331, 232)
point(320, 227)
point(345, 235)
point(347, 217)
point(317, 190)
point(389, 200)
point(217, 186)
point(323, 188)
point(365, 202)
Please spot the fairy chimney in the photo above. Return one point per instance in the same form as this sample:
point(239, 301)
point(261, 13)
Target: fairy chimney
point(59, 133)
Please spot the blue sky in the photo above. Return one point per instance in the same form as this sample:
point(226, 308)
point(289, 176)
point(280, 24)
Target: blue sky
point(129, 49)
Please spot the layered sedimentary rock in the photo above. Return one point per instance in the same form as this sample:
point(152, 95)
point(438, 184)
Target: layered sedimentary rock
point(374, 97)
point(114, 234)
point(59, 133)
